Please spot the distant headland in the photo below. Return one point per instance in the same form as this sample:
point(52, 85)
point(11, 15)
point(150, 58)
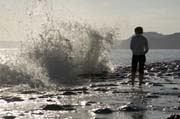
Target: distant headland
point(156, 41)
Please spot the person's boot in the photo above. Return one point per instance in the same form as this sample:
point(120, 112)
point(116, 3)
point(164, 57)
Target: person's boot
point(133, 75)
point(141, 76)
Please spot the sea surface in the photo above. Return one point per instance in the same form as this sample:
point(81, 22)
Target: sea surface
point(117, 56)
point(123, 57)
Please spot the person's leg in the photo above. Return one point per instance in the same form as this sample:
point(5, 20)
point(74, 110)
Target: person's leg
point(141, 69)
point(133, 76)
point(133, 69)
point(141, 77)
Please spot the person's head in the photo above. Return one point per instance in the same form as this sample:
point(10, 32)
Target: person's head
point(138, 30)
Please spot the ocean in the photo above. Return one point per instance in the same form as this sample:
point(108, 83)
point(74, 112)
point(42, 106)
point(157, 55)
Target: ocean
point(117, 56)
point(123, 57)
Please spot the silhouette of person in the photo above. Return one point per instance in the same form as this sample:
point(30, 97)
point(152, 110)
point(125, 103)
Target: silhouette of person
point(139, 47)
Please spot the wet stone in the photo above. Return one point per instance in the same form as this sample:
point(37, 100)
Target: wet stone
point(46, 96)
point(82, 92)
point(12, 99)
point(9, 117)
point(149, 95)
point(130, 108)
point(31, 92)
point(90, 103)
point(80, 89)
point(121, 76)
point(157, 84)
point(102, 85)
point(103, 111)
point(116, 91)
point(177, 108)
point(69, 93)
point(168, 74)
point(55, 107)
point(32, 98)
point(50, 100)
point(174, 117)
point(74, 89)
point(174, 88)
point(101, 89)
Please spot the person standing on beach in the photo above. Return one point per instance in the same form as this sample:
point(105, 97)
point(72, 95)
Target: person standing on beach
point(139, 47)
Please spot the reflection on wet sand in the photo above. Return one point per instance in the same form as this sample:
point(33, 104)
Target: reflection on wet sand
point(139, 101)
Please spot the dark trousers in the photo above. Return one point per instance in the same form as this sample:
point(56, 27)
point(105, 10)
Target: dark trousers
point(138, 60)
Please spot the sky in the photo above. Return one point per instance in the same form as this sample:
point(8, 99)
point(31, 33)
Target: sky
point(154, 15)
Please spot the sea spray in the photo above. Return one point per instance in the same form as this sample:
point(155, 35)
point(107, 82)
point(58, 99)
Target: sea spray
point(57, 50)
point(68, 50)
point(15, 71)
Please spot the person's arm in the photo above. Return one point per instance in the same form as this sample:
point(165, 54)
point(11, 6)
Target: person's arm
point(131, 44)
point(146, 46)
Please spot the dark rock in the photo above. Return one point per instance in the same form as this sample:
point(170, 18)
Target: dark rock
point(177, 73)
point(21, 114)
point(130, 108)
point(174, 117)
point(80, 89)
point(102, 85)
point(124, 83)
point(174, 88)
point(11, 99)
point(149, 95)
point(50, 100)
point(85, 92)
point(9, 117)
point(121, 77)
point(64, 89)
point(32, 98)
point(101, 89)
point(31, 92)
point(55, 107)
point(103, 111)
point(46, 96)
point(177, 108)
point(82, 92)
point(74, 89)
point(151, 74)
point(168, 74)
point(90, 103)
point(69, 93)
point(166, 93)
point(157, 84)
point(116, 91)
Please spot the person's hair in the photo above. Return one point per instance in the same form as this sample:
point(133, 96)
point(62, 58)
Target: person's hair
point(138, 30)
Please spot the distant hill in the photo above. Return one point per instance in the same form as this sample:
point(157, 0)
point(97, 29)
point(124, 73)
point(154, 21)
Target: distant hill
point(9, 44)
point(156, 41)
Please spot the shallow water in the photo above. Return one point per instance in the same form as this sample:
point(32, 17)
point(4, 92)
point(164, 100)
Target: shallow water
point(156, 108)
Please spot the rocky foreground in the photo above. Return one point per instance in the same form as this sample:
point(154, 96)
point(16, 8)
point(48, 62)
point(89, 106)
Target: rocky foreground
point(105, 96)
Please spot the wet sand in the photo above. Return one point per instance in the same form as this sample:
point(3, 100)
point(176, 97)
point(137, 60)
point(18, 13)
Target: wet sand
point(103, 96)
